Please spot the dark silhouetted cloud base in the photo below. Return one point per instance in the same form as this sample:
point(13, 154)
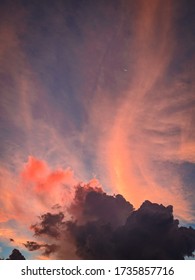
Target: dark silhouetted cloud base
point(108, 227)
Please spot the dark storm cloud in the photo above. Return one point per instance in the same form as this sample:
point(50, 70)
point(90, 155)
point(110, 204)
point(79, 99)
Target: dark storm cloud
point(93, 204)
point(151, 232)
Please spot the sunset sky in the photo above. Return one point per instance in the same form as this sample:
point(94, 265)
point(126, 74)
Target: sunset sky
point(99, 93)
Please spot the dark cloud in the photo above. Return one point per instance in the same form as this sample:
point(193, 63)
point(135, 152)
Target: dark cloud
point(32, 246)
point(50, 225)
point(76, 208)
point(56, 207)
point(107, 227)
point(94, 205)
point(92, 240)
point(150, 232)
point(48, 248)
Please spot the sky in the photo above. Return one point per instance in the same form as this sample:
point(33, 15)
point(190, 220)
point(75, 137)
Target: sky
point(98, 94)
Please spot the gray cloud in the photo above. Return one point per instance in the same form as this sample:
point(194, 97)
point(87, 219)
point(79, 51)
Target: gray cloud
point(107, 227)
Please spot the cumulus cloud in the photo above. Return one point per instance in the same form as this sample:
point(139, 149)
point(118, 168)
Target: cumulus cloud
point(37, 183)
point(93, 204)
point(108, 227)
point(149, 233)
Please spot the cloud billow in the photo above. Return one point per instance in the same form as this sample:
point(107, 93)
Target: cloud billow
point(108, 227)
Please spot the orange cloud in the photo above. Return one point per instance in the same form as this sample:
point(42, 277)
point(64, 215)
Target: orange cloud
point(38, 173)
point(37, 190)
point(150, 124)
point(34, 170)
point(25, 197)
